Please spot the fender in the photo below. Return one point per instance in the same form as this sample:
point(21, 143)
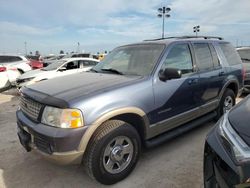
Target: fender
point(93, 127)
point(235, 81)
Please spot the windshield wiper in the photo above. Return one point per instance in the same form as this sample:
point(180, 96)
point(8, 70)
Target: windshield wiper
point(93, 70)
point(113, 71)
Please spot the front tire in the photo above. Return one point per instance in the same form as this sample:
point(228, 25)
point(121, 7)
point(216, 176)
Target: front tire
point(113, 152)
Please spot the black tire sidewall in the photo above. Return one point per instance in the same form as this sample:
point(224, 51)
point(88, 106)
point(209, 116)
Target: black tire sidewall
point(98, 169)
point(227, 93)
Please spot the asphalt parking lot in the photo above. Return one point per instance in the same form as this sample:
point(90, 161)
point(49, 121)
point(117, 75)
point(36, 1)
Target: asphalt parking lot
point(177, 163)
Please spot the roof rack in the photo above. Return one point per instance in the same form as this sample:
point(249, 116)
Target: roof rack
point(187, 37)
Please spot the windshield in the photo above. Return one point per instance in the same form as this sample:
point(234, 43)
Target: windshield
point(54, 65)
point(131, 60)
point(244, 54)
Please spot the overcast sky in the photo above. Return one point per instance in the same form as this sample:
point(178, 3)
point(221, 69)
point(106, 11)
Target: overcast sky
point(99, 25)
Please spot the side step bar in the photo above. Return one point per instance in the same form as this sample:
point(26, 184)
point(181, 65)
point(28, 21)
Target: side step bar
point(179, 130)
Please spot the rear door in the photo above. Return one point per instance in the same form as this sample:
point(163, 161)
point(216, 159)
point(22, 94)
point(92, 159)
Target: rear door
point(212, 75)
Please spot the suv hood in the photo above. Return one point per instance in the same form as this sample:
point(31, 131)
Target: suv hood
point(239, 119)
point(33, 73)
point(83, 84)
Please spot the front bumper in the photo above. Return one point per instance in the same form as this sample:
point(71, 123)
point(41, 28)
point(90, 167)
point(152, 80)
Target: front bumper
point(55, 144)
point(219, 163)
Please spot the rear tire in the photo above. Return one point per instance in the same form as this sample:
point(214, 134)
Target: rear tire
point(113, 152)
point(226, 103)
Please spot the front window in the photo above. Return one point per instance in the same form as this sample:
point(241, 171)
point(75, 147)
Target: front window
point(131, 60)
point(54, 66)
point(179, 57)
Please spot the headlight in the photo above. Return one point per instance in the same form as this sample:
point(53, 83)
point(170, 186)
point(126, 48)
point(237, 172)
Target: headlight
point(240, 149)
point(62, 118)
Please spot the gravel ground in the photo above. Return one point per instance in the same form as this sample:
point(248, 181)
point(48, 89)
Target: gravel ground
point(177, 163)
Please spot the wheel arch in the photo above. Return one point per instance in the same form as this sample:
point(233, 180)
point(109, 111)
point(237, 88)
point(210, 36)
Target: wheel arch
point(231, 84)
point(234, 87)
point(20, 70)
point(132, 115)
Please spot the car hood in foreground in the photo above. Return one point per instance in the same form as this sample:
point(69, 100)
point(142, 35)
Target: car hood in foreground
point(239, 118)
point(33, 73)
point(83, 84)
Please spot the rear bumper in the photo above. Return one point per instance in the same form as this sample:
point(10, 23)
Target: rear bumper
point(5, 87)
point(219, 163)
point(54, 144)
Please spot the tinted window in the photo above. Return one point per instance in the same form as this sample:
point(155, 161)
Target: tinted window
point(203, 55)
point(179, 57)
point(15, 58)
point(8, 59)
point(215, 57)
point(230, 53)
point(4, 59)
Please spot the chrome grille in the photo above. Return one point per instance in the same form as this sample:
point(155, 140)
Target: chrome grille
point(30, 107)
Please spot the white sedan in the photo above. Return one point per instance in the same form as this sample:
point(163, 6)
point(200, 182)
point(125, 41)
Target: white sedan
point(60, 68)
point(7, 77)
point(19, 62)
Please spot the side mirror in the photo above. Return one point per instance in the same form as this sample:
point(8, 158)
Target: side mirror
point(169, 73)
point(62, 69)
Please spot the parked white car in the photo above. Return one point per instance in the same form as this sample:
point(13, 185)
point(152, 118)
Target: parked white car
point(19, 62)
point(7, 77)
point(59, 68)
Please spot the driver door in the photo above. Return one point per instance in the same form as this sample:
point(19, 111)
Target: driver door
point(177, 100)
point(70, 68)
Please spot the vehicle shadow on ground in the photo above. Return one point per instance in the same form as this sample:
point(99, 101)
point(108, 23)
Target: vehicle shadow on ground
point(175, 163)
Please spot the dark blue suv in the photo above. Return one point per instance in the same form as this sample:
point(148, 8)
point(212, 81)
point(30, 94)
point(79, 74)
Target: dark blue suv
point(140, 95)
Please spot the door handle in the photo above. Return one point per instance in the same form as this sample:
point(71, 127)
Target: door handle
point(193, 81)
point(221, 73)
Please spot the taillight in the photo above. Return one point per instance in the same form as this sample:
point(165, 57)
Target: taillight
point(12, 68)
point(3, 69)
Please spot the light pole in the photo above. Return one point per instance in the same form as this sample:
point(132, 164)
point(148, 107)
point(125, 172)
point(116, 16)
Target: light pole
point(196, 30)
point(78, 47)
point(163, 12)
point(25, 47)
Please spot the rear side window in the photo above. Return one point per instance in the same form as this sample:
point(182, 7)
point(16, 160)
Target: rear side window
point(179, 57)
point(15, 58)
point(86, 63)
point(203, 56)
point(4, 59)
point(230, 53)
point(8, 59)
point(93, 63)
point(215, 57)
point(244, 54)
